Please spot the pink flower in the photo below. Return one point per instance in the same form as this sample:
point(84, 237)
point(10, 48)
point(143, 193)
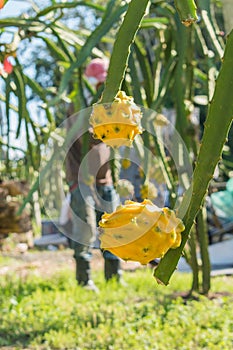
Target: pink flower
point(7, 66)
point(97, 69)
point(1, 4)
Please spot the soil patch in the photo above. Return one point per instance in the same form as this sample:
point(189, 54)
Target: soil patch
point(47, 262)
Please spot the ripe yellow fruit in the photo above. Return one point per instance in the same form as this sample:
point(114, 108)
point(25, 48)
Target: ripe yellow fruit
point(117, 123)
point(148, 191)
point(140, 231)
point(125, 163)
point(125, 188)
point(89, 180)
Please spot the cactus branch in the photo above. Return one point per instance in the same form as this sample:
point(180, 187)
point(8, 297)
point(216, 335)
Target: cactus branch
point(217, 125)
point(121, 49)
point(194, 261)
point(187, 11)
point(203, 241)
point(212, 33)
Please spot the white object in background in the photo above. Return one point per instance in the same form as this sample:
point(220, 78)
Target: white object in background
point(65, 210)
point(221, 256)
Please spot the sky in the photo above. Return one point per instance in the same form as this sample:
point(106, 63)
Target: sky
point(14, 8)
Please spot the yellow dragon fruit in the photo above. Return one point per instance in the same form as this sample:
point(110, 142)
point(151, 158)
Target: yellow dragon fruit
point(140, 231)
point(125, 163)
point(125, 188)
point(148, 191)
point(117, 123)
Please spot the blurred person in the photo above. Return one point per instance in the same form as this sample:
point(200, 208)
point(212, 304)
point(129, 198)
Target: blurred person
point(92, 192)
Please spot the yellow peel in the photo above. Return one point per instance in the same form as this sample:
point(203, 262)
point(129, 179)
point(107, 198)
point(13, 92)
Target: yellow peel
point(140, 231)
point(118, 123)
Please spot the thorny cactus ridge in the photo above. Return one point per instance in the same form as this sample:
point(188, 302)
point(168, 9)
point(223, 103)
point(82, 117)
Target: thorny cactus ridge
point(121, 50)
point(187, 11)
point(217, 125)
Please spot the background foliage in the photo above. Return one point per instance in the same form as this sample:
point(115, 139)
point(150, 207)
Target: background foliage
point(155, 58)
point(53, 313)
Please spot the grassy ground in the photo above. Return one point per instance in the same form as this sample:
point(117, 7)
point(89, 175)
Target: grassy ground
point(41, 310)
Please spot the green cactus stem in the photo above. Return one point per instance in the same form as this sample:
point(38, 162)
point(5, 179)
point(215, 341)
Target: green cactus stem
point(194, 261)
point(121, 49)
point(203, 241)
point(217, 125)
point(187, 11)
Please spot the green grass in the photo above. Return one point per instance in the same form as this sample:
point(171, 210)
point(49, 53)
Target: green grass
point(54, 313)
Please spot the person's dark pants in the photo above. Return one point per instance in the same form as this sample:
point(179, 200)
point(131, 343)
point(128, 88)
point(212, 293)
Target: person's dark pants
point(88, 206)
